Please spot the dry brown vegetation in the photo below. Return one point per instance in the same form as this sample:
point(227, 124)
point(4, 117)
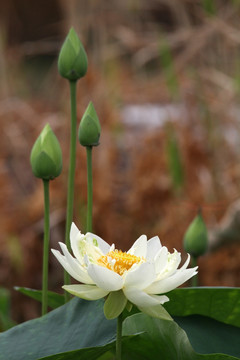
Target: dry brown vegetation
point(155, 52)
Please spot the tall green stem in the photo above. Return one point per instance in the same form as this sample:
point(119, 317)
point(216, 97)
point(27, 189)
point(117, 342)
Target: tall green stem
point(71, 174)
point(119, 337)
point(89, 188)
point(45, 247)
point(194, 279)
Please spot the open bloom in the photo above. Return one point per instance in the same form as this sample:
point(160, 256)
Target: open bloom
point(141, 276)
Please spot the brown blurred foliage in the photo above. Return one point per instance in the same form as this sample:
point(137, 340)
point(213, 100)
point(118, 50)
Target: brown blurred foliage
point(157, 53)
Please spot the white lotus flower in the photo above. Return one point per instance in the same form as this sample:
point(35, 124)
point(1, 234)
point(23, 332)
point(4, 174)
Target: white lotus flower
point(141, 276)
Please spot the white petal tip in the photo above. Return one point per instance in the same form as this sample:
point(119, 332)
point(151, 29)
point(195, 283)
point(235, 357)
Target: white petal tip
point(74, 230)
point(54, 251)
point(62, 245)
point(166, 299)
point(112, 248)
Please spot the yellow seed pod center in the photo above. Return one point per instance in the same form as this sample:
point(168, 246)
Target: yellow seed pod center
point(119, 261)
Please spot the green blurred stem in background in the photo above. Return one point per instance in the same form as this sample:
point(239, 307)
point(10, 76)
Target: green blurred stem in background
point(119, 337)
point(89, 188)
point(71, 174)
point(194, 279)
point(45, 247)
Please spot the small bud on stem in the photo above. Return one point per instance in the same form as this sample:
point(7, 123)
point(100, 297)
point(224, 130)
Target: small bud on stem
point(72, 60)
point(89, 128)
point(196, 238)
point(46, 155)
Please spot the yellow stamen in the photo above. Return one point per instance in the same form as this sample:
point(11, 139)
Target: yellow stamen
point(119, 261)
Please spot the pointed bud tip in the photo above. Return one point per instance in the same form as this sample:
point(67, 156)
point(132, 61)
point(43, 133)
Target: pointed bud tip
point(47, 128)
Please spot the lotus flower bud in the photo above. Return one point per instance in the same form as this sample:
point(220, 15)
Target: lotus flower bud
point(46, 155)
point(89, 128)
point(196, 237)
point(72, 60)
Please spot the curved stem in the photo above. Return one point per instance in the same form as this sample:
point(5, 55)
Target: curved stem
point(194, 280)
point(45, 247)
point(71, 174)
point(89, 188)
point(119, 337)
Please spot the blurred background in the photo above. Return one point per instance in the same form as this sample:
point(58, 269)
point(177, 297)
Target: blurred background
point(164, 77)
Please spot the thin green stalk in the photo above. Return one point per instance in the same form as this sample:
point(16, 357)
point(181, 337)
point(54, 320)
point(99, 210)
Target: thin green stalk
point(71, 174)
point(89, 188)
point(194, 279)
point(119, 337)
point(45, 247)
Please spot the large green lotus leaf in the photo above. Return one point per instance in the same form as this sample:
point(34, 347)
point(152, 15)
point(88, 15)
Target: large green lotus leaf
point(81, 324)
point(92, 353)
point(76, 325)
point(106, 352)
point(221, 304)
point(54, 300)
point(165, 340)
point(211, 336)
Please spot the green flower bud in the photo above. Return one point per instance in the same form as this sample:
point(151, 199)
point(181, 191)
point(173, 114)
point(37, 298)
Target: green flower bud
point(89, 128)
point(46, 155)
point(196, 237)
point(72, 60)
